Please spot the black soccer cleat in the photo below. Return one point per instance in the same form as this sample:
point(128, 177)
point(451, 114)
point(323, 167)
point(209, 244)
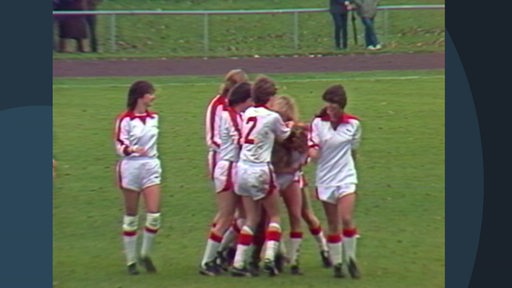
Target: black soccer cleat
point(221, 261)
point(209, 269)
point(353, 270)
point(132, 269)
point(254, 268)
point(147, 263)
point(338, 271)
point(270, 267)
point(240, 272)
point(279, 261)
point(326, 260)
point(295, 270)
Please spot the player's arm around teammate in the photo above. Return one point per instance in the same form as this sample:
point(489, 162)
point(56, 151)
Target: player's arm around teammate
point(239, 99)
point(139, 172)
point(334, 137)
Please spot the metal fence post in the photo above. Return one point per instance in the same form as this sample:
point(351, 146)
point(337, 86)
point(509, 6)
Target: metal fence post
point(386, 12)
point(206, 36)
point(296, 30)
point(113, 32)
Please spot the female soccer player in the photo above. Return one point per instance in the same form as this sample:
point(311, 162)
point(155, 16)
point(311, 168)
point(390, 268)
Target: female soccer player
point(288, 158)
point(139, 172)
point(334, 138)
point(255, 175)
point(239, 99)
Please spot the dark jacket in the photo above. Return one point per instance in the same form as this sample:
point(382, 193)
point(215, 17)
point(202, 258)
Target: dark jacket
point(366, 8)
point(338, 6)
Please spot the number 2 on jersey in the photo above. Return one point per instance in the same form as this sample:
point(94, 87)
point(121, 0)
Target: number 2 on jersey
point(251, 120)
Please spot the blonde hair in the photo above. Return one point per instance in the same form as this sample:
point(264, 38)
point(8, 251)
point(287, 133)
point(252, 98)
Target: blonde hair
point(286, 107)
point(232, 78)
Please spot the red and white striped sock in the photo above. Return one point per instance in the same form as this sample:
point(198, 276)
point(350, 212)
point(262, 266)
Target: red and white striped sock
point(318, 234)
point(350, 242)
point(295, 242)
point(149, 234)
point(273, 236)
point(335, 248)
point(212, 246)
point(130, 224)
point(244, 242)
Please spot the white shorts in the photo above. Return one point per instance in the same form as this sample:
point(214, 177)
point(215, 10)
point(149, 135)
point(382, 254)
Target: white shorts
point(302, 180)
point(331, 194)
point(255, 180)
point(138, 173)
point(285, 179)
point(224, 176)
point(213, 159)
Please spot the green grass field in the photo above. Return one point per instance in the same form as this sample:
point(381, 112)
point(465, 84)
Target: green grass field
point(151, 36)
point(400, 211)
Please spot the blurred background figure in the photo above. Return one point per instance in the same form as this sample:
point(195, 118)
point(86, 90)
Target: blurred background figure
point(339, 13)
point(91, 23)
point(367, 9)
point(71, 26)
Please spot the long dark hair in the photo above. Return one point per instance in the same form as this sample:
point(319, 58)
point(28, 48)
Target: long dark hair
point(138, 90)
point(335, 94)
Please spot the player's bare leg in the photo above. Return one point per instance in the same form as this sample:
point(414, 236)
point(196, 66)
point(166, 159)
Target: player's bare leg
point(293, 200)
point(315, 228)
point(273, 234)
point(334, 237)
point(252, 210)
point(151, 196)
point(226, 204)
point(130, 226)
point(346, 208)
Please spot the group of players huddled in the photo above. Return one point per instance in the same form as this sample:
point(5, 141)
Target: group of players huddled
point(257, 151)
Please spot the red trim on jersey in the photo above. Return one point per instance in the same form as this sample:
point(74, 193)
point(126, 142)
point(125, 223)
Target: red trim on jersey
point(235, 116)
point(119, 176)
point(229, 181)
point(219, 100)
point(214, 163)
point(131, 115)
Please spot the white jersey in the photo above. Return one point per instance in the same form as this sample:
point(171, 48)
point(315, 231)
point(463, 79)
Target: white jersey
point(230, 135)
point(260, 128)
point(335, 165)
point(213, 115)
point(136, 130)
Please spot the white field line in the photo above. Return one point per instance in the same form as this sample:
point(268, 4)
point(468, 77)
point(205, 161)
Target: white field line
point(278, 81)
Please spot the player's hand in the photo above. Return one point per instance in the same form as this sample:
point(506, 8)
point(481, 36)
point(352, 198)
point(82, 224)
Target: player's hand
point(290, 124)
point(140, 150)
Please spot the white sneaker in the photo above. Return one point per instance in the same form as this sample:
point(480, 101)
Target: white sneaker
point(377, 47)
point(371, 47)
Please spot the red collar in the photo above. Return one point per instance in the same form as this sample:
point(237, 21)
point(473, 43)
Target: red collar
point(142, 117)
point(345, 118)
